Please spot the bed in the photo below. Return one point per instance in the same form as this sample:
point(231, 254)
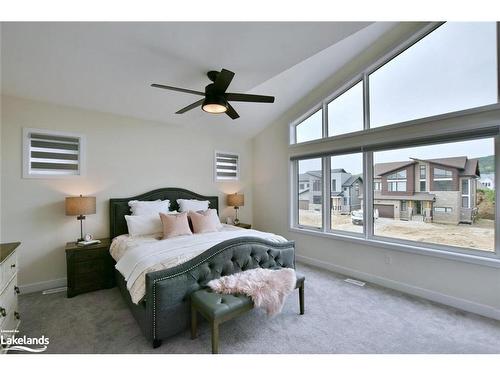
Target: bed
point(163, 311)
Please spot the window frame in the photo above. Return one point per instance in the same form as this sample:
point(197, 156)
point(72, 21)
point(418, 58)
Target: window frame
point(26, 156)
point(217, 179)
point(420, 133)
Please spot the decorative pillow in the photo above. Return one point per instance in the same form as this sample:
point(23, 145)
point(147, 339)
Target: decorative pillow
point(205, 221)
point(140, 225)
point(186, 205)
point(149, 207)
point(175, 225)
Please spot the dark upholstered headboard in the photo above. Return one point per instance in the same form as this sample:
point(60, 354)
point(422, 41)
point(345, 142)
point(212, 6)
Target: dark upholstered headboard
point(118, 207)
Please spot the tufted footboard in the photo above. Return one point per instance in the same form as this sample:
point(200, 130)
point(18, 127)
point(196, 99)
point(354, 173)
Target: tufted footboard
point(166, 304)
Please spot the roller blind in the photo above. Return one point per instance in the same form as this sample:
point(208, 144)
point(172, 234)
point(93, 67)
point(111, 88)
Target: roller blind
point(53, 155)
point(226, 166)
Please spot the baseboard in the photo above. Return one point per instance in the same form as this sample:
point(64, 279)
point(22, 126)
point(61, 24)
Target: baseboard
point(431, 295)
point(41, 286)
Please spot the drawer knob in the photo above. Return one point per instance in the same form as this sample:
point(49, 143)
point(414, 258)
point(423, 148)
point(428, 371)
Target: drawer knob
point(16, 290)
point(17, 315)
point(3, 312)
point(13, 265)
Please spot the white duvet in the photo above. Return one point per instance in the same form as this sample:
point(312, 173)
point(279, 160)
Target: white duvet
point(137, 256)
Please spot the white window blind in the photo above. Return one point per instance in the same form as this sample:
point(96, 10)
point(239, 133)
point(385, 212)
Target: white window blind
point(52, 154)
point(227, 166)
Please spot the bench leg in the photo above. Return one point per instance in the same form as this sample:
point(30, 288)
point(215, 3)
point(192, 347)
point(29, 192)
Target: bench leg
point(215, 337)
point(301, 298)
point(194, 323)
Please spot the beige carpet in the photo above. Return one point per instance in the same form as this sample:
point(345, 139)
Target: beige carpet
point(340, 318)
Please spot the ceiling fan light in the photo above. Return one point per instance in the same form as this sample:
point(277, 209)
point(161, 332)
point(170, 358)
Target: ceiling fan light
point(214, 105)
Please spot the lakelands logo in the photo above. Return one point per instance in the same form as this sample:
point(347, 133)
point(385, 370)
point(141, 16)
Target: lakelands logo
point(9, 342)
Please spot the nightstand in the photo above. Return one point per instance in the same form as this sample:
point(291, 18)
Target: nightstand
point(243, 225)
point(89, 267)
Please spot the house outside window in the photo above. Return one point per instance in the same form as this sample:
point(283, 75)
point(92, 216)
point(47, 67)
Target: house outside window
point(334, 185)
point(317, 185)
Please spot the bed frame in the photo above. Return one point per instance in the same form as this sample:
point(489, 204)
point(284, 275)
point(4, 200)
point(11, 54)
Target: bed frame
point(165, 309)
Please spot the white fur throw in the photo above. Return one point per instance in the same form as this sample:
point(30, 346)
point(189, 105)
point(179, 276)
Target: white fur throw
point(267, 288)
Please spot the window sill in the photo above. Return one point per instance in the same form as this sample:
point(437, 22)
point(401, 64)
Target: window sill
point(389, 245)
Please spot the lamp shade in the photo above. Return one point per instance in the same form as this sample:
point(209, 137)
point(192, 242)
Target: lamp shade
point(235, 200)
point(76, 206)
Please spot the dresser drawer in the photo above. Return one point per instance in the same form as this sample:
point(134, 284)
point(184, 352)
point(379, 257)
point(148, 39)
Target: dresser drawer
point(8, 269)
point(8, 300)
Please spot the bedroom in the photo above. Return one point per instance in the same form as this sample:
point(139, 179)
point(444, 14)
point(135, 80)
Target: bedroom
point(284, 115)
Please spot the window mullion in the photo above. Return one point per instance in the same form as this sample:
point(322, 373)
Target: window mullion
point(368, 194)
point(366, 102)
point(497, 195)
point(326, 194)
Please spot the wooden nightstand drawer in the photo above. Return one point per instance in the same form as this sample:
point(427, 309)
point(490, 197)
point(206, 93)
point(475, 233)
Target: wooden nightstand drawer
point(83, 256)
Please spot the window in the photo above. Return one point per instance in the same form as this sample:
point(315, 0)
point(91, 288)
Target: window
point(49, 154)
point(452, 68)
point(422, 171)
point(227, 166)
point(442, 174)
point(310, 202)
point(398, 175)
point(345, 113)
point(317, 185)
point(441, 209)
point(346, 169)
point(403, 206)
point(466, 193)
point(301, 186)
point(443, 180)
point(310, 129)
point(423, 180)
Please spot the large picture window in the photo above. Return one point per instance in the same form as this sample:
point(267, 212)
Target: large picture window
point(433, 190)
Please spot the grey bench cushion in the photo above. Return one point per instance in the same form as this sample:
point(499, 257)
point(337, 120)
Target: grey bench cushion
point(216, 306)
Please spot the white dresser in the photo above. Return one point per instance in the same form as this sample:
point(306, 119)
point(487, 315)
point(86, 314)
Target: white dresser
point(9, 315)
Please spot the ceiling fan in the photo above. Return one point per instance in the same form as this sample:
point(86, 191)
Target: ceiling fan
point(216, 99)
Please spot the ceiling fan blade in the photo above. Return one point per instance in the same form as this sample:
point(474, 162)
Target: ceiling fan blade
point(231, 112)
point(223, 80)
point(235, 97)
point(190, 107)
point(177, 89)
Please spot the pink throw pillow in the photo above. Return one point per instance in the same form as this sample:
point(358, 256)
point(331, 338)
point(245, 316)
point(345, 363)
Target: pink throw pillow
point(205, 221)
point(175, 225)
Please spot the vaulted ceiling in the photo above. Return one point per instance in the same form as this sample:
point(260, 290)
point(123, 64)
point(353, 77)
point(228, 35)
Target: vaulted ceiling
point(109, 67)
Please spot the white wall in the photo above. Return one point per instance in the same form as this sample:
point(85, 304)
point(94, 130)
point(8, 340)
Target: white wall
point(471, 287)
point(125, 157)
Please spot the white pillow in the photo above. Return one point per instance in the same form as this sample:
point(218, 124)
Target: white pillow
point(141, 225)
point(149, 207)
point(186, 205)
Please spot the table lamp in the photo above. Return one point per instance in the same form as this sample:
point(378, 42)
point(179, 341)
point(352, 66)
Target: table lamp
point(79, 207)
point(236, 200)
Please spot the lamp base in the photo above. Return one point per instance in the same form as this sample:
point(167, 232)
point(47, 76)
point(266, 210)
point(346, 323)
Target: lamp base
point(236, 221)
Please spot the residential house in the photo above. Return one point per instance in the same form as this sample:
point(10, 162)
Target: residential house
point(346, 190)
point(438, 190)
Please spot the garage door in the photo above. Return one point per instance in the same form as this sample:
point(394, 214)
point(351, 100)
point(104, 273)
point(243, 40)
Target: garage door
point(385, 210)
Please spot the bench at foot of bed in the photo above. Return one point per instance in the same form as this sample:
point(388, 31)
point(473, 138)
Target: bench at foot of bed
point(219, 308)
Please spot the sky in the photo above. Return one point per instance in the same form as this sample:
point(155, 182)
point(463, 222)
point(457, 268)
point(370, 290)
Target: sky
point(451, 69)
